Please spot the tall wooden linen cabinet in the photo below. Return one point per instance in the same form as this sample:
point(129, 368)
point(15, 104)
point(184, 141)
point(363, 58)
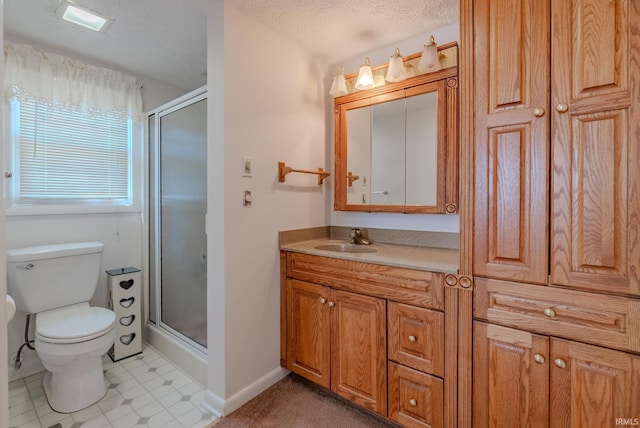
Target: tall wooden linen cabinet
point(551, 230)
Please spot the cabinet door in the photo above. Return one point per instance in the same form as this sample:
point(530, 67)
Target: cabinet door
point(593, 386)
point(415, 398)
point(510, 377)
point(416, 337)
point(512, 139)
point(596, 174)
point(308, 331)
point(359, 350)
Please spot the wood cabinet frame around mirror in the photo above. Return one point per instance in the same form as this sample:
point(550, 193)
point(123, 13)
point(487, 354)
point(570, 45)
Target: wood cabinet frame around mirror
point(445, 81)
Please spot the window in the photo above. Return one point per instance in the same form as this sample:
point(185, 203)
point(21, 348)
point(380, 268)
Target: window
point(67, 156)
point(75, 136)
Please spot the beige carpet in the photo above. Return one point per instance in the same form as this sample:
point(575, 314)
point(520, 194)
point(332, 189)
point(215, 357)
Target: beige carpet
point(296, 403)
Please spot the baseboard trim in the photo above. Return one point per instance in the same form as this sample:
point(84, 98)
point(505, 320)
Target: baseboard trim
point(213, 404)
point(219, 407)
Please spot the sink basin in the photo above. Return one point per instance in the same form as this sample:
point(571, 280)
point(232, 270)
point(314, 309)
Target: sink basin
point(346, 248)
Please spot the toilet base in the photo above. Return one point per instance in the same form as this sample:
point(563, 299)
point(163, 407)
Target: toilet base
point(76, 387)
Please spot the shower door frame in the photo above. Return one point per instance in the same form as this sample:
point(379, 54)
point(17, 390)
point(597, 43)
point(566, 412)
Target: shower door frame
point(155, 212)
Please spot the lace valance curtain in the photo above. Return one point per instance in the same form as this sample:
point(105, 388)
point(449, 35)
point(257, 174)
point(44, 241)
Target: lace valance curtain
point(58, 80)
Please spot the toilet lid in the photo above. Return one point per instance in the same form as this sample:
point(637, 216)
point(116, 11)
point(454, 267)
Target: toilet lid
point(76, 326)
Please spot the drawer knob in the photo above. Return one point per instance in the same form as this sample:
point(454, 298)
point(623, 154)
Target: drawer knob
point(538, 112)
point(538, 359)
point(323, 300)
point(331, 304)
point(550, 312)
point(413, 402)
point(559, 362)
point(562, 107)
point(412, 338)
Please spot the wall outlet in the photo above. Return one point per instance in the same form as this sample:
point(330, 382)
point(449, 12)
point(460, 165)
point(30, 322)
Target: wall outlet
point(246, 166)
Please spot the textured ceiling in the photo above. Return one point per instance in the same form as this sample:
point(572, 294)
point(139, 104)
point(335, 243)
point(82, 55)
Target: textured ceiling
point(338, 29)
point(166, 39)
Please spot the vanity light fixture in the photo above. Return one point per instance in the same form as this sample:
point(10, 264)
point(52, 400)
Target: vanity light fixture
point(82, 16)
point(429, 56)
point(395, 71)
point(339, 84)
point(365, 76)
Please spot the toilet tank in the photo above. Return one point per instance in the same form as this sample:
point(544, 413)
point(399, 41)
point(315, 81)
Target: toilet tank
point(52, 276)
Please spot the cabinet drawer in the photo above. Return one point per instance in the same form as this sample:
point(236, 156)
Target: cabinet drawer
point(415, 398)
point(587, 317)
point(416, 337)
point(415, 287)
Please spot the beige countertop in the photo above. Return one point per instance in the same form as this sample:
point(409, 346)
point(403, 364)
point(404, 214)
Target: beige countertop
point(420, 258)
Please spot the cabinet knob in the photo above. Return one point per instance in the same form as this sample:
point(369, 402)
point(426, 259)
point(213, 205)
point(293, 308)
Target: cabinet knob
point(550, 312)
point(562, 107)
point(412, 338)
point(413, 402)
point(560, 363)
point(331, 304)
point(538, 112)
point(323, 300)
point(538, 359)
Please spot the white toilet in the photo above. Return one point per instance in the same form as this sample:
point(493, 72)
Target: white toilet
point(56, 282)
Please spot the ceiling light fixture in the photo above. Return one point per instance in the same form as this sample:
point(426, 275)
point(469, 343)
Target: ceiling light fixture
point(82, 16)
point(365, 76)
point(429, 56)
point(395, 72)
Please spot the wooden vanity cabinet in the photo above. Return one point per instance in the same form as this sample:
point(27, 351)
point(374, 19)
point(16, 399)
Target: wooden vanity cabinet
point(556, 210)
point(510, 389)
point(337, 339)
point(308, 331)
point(416, 399)
point(523, 379)
point(373, 334)
point(556, 144)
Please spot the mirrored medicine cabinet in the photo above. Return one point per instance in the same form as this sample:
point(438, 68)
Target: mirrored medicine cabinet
point(396, 144)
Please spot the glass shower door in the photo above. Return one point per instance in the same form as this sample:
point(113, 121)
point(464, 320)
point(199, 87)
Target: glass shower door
point(180, 264)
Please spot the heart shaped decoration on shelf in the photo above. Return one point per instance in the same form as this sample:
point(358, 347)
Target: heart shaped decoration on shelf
point(127, 321)
point(127, 339)
point(126, 284)
point(125, 303)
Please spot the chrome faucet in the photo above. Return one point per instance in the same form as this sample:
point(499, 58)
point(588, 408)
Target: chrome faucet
point(357, 237)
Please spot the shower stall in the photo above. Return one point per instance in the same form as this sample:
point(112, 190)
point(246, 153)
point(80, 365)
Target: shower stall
point(177, 142)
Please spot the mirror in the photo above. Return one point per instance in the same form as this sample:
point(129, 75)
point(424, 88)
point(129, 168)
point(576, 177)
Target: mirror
point(396, 146)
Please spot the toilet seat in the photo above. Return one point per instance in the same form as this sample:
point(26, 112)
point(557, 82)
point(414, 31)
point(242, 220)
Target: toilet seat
point(74, 324)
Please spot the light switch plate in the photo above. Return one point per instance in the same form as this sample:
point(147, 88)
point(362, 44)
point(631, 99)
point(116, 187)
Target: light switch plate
point(246, 166)
point(246, 198)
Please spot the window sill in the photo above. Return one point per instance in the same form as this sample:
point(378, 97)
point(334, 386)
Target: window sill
point(28, 210)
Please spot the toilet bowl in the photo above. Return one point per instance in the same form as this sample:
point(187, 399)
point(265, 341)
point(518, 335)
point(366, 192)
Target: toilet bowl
point(56, 282)
point(70, 341)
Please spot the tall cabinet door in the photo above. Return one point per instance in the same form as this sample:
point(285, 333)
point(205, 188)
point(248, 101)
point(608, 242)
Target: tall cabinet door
point(512, 139)
point(510, 377)
point(593, 386)
point(308, 331)
point(359, 350)
point(596, 173)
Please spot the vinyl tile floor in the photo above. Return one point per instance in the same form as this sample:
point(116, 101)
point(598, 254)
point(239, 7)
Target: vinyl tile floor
point(146, 390)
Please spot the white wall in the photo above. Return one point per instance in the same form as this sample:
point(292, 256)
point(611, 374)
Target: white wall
point(274, 103)
point(441, 223)
point(121, 233)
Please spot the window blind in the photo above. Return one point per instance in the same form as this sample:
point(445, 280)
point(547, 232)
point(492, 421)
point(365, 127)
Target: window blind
point(71, 156)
